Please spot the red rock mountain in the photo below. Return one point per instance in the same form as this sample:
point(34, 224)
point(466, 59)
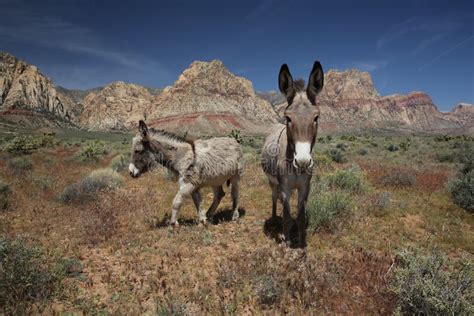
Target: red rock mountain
point(349, 101)
point(207, 98)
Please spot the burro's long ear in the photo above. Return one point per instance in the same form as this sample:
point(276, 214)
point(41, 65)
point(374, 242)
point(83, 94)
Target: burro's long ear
point(285, 81)
point(315, 82)
point(142, 128)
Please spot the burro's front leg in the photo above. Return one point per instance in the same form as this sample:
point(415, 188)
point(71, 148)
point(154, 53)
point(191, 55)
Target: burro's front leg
point(303, 192)
point(285, 196)
point(185, 189)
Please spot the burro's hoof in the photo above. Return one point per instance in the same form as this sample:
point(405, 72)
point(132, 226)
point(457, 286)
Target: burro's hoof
point(235, 216)
point(174, 224)
point(202, 223)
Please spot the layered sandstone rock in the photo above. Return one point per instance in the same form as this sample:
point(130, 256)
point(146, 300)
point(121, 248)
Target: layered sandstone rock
point(29, 97)
point(208, 98)
point(117, 106)
point(349, 101)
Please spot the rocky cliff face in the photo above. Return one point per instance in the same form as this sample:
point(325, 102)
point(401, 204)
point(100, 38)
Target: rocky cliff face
point(26, 96)
point(117, 106)
point(349, 101)
point(210, 99)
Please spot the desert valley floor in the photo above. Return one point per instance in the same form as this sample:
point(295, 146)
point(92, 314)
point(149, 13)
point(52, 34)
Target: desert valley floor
point(91, 241)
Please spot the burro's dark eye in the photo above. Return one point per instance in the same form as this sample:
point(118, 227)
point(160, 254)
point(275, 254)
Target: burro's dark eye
point(316, 119)
point(137, 151)
point(288, 120)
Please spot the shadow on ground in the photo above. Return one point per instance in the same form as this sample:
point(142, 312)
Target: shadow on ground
point(273, 228)
point(223, 215)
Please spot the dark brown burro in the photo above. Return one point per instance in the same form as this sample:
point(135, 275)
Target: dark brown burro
point(286, 154)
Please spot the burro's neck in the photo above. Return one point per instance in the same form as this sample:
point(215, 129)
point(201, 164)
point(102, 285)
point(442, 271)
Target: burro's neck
point(172, 152)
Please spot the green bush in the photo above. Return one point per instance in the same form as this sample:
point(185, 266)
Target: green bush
point(362, 152)
point(21, 144)
point(5, 193)
point(336, 156)
point(325, 207)
point(92, 151)
point(432, 284)
point(27, 276)
point(48, 140)
point(20, 164)
point(235, 134)
point(87, 188)
point(392, 147)
point(119, 163)
point(462, 191)
point(349, 180)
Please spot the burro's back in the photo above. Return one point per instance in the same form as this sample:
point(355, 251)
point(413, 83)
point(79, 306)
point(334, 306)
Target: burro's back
point(217, 159)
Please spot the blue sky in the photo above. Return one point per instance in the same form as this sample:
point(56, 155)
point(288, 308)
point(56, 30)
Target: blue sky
point(405, 45)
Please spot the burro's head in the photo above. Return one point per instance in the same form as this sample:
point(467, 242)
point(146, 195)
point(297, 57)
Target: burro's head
point(301, 114)
point(142, 156)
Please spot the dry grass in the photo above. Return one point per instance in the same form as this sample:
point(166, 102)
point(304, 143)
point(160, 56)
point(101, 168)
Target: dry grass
point(132, 264)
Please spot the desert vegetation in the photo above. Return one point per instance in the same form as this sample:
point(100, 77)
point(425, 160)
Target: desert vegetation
point(389, 231)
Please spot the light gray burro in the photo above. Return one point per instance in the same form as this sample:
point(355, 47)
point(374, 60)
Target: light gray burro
point(200, 163)
point(286, 154)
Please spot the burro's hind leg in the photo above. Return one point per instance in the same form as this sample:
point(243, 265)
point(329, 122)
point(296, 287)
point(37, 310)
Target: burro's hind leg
point(196, 195)
point(185, 189)
point(218, 195)
point(235, 197)
point(303, 192)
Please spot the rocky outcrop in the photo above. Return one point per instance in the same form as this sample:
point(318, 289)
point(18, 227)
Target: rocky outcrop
point(208, 98)
point(23, 89)
point(349, 101)
point(117, 106)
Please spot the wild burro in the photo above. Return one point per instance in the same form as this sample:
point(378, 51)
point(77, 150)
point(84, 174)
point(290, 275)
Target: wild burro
point(286, 154)
point(200, 163)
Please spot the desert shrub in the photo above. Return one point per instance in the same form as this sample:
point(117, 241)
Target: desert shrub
point(92, 151)
point(392, 147)
point(349, 180)
point(467, 159)
point(351, 138)
point(119, 163)
point(47, 140)
point(21, 144)
point(446, 157)
point(5, 193)
point(322, 161)
point(432, 284)
point(462, 191)
point(20, 164)
point(341, 146)
point(398, 178)
point(87, 188)
point(337, 155)
point(27, 276)
point(362, 152)
point(405, 145)
point(235, 134)
point(325, 207)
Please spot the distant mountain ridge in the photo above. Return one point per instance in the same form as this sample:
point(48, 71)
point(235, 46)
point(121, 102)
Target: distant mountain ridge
point(208, 99)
